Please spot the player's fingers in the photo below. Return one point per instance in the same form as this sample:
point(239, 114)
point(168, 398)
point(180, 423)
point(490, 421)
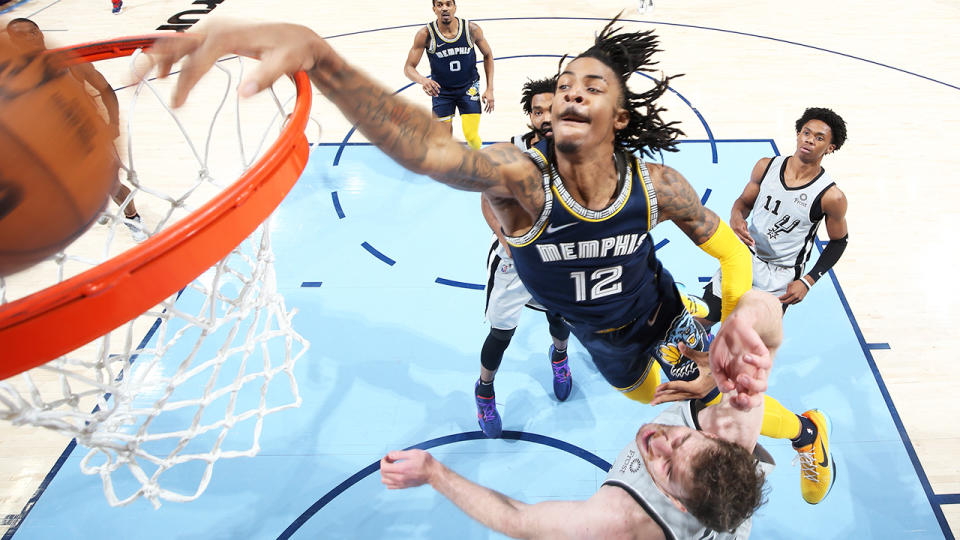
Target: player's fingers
point(167, 51)
point(194, 66)
point(693, 354)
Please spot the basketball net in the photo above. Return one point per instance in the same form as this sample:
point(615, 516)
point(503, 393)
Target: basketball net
point(159, 399)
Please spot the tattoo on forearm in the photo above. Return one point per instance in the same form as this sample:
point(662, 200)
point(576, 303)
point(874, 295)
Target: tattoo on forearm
point(679, 203)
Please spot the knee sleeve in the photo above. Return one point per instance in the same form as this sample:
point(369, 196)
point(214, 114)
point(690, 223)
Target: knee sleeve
point(471, 130)
point(494, 346)
point(558, 330)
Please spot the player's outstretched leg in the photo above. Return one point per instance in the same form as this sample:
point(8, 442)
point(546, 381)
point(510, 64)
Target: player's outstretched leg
point(818, 471)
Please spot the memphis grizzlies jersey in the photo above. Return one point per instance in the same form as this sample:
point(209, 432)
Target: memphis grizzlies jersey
point(596, 268)
point(453, 63)
point(630, 474)
point(784, 220)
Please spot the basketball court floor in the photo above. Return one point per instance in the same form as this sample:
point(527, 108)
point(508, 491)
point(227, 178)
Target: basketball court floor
point(385, 269)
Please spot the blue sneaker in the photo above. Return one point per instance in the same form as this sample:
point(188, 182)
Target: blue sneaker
point(562, 380)
point(116, 7)
point(487, 415)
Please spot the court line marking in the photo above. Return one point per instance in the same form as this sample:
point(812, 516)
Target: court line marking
point(433, 443)
point(904, 437)
point(679, 25)
point(703, 121)
point(373, 251)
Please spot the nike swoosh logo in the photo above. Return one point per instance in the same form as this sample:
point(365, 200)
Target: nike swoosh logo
point(826, 459)
point(552, 229)
point(653, 319)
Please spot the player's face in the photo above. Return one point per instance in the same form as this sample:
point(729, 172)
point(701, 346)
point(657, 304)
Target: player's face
point(26, 37)
point(813, 141)
point(668, 452)
point(445, 10)
point(585, 109)
point(540, 114)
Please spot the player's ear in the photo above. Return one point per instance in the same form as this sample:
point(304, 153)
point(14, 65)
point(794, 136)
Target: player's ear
point(621, 119)
point(831, 148)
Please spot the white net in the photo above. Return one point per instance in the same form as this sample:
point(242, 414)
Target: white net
point(160, 399)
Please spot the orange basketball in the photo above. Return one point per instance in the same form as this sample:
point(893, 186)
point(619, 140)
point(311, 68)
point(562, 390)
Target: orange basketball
point(57, 166)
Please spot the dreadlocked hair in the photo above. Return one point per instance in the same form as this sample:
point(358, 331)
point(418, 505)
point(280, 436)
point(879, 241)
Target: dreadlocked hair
point(626, 53)
point(532, 88)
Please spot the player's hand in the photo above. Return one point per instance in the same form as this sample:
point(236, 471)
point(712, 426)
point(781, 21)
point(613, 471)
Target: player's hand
point(283, 49)
point(697, 388)
point(796, 292)
point(487, 100)
point(431, 87)
point(739, 226)
point(740, 361)
point(401, 469)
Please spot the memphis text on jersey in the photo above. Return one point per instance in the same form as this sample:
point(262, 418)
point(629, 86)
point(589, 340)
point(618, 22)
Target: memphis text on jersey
point(611, 246)
point(453, 51)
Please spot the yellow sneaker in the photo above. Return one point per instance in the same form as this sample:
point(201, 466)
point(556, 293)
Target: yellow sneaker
point(818, 471)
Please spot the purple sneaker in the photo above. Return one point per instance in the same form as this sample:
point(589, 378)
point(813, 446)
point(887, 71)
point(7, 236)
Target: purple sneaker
point(487, 415)
point(562, 380)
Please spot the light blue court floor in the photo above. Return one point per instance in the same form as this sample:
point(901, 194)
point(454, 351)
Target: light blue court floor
point(392, 262)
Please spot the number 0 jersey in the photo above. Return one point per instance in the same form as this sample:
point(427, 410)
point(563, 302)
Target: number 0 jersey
point(453, 63)
point(596, 268)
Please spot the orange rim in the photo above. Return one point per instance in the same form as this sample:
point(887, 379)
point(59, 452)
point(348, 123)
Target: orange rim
point(63, 317)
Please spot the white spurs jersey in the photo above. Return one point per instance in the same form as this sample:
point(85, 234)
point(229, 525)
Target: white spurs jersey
point(784, 220)
point(523, 141)
point(630, 473)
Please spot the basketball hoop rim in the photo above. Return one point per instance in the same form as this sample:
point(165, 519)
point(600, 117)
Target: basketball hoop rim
point(52, 322)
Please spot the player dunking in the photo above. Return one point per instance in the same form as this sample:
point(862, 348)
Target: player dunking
point(795, 194)
point(451, 45)
point(506, 295)
point(576, 212)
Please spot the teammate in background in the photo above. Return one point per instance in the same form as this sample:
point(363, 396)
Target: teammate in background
point(795, 195)
point(691, 473)
point(27, 37)
point(506, 295)
point(454, 83)
point(576, 211)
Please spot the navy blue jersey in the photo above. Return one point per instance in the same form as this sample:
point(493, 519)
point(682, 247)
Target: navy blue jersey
point(596, 268)
point(453, 63)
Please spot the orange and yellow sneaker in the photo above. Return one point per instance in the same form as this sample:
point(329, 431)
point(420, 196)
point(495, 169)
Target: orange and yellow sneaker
point(818, 471)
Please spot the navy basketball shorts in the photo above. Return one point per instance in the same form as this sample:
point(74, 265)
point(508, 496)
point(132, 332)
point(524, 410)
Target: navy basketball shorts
point(465, 99)
point(624, 356)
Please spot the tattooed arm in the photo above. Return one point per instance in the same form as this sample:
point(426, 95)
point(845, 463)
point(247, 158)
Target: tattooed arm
point(405, 132)
point(679, 203)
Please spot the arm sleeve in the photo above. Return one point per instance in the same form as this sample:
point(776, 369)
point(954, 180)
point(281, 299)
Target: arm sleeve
point(736, 266)
point(831, 254)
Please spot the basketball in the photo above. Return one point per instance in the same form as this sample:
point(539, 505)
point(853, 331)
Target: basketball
point(57, 164)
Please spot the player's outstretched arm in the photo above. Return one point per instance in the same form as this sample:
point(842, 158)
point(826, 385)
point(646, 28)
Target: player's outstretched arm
point(610, 513)
point(741, 357)
point(678, 202)
point(405, 132)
